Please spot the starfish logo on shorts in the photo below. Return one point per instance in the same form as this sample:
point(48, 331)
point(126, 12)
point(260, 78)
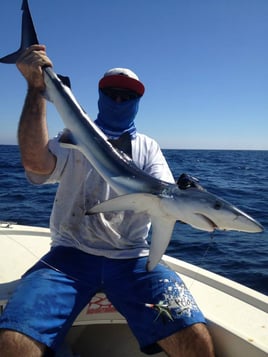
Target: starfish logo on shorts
point(177, 301)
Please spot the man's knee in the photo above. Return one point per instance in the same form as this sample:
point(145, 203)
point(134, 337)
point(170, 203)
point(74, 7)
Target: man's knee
point(13, 343)
point(192, 341)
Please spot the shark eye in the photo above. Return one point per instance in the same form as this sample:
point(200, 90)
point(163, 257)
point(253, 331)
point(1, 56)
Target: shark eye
point(217, 205)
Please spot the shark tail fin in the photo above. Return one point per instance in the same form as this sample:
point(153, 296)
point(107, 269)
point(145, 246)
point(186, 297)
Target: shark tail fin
point(28, 38)
point(28, 35)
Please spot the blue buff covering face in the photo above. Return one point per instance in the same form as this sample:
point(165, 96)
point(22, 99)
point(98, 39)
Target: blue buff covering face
point(115, 118)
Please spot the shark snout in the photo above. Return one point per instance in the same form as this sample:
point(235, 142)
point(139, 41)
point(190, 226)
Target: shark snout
point(227, 217)
point(245, 223)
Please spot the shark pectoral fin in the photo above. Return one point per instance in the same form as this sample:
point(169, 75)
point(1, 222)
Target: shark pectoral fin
point(162, 228)
point(137, 202)
point(67, 139)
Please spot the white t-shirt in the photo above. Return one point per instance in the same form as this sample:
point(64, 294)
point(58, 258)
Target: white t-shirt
point(113, 234)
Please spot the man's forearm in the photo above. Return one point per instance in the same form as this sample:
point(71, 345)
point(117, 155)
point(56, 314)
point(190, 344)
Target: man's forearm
point(33, 135)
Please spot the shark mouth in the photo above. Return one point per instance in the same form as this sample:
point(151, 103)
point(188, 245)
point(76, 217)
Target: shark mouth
point(212, 225)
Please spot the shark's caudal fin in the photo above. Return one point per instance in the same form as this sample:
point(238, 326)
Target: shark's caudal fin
point(28, 35)
point(28, 38)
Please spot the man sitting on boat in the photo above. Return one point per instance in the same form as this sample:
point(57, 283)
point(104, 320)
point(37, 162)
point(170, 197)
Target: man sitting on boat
point(101, 252)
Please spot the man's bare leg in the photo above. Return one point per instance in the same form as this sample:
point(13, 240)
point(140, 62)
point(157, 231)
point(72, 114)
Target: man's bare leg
point(193, 341)
point(14, 344)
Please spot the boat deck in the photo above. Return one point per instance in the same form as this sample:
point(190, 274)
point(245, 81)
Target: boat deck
point(237, 316)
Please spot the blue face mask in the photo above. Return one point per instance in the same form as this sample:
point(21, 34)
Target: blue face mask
point(114, 118)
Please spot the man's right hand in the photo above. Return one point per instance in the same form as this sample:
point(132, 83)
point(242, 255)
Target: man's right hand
point(31, 63)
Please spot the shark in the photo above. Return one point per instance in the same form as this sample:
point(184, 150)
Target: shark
point(164, 202)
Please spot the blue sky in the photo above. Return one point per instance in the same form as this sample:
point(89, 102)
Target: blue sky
point(204, 64)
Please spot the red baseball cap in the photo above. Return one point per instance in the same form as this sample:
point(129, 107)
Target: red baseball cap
point(122, 78)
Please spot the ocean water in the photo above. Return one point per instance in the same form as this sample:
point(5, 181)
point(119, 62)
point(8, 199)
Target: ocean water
point(237, 176)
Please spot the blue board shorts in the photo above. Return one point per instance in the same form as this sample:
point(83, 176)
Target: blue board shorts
point(52, 293)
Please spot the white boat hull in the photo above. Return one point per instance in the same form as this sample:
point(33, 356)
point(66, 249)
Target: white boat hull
point(237, 316)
